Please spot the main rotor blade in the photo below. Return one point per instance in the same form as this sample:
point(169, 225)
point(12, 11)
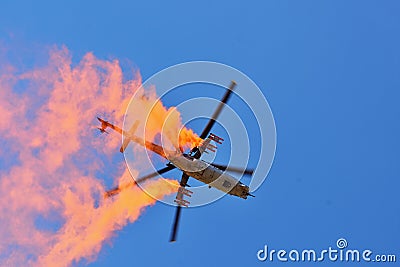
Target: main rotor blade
point(174, 232)
point(156, 173)
point(233, 169)
point(118, 189)
point(176, 223)
point(214, 117)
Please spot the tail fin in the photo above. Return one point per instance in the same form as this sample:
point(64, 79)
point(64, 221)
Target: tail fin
point(128, 136)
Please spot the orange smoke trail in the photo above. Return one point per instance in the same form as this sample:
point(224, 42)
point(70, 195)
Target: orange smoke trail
point(51, 206)
point(156, 119)
point(97, 224)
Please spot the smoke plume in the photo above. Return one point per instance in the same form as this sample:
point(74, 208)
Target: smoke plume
point(53, 163)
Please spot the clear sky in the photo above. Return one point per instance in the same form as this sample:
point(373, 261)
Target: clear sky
point(330, 71)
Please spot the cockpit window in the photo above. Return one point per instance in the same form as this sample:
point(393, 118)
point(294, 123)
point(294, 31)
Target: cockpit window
point(187, 156)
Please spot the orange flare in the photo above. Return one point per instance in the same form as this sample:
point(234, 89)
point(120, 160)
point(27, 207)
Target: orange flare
point(50, 199)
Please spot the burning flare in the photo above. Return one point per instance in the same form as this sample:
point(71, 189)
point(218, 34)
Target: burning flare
point(51, 202)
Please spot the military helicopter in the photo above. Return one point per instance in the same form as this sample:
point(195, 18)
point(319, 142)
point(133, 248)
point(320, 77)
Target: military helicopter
point(191, 164)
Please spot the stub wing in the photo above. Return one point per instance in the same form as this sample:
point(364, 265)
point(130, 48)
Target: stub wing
point(182, 191)
point(206, 144)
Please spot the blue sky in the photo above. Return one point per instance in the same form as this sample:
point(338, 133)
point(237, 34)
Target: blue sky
point(329, 70)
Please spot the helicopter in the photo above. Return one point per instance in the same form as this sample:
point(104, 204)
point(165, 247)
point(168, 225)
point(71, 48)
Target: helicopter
point(191, 164)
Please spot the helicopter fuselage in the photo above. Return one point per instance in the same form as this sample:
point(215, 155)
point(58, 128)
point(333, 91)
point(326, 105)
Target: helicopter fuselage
point(208, 174)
